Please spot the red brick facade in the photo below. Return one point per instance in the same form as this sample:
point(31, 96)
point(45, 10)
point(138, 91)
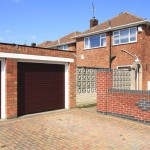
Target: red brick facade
point(128, 104)
point(11, 74)
point(99, 57)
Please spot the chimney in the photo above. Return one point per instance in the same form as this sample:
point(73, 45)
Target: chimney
point(93, 22)
point(33, 44)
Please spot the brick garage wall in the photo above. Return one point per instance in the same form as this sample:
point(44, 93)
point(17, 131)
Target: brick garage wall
point(11, 88)
point(130, 104)
point(11, 74)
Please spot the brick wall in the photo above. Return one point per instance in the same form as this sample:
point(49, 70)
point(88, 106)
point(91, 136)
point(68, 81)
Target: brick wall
point(98, 57)
point(11, 74)
point(11, 88)
point(130, 104)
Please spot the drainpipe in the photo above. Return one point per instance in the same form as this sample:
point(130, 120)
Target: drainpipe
point(110, 61)
point(111, 58)
point(138, 66)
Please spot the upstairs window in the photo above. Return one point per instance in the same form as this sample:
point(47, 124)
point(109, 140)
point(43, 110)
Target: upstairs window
point(125, 36)
point(95, 41)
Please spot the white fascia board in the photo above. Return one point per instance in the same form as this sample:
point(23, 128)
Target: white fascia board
point(3, 89)
point(113, 28)
point(61, 44)
point(35, 57)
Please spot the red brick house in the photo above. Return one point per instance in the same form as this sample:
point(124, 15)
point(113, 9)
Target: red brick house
point(99, 45)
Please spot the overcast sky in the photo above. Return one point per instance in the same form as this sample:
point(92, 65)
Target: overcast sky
point(27, 21)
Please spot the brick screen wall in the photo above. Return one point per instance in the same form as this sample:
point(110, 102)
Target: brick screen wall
point(11, 74)
point(130, 104)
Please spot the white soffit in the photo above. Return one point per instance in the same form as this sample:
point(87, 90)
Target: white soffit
point(35, 57)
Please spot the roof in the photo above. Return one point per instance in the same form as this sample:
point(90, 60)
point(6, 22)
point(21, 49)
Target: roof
point(44, 44)
point(62, 41)
point(120, 20)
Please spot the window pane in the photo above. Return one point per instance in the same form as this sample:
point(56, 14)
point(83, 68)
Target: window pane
point(116, 32)
point(86, 43)
point(95, 41)
point(65, 47)
point(60, 47)
point(103, 35)
point(103, 42)
point(116, 39)
point(133, 34)
point(124, 36)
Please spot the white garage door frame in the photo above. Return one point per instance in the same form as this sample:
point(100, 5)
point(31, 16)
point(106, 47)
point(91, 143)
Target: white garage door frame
point(31, 59)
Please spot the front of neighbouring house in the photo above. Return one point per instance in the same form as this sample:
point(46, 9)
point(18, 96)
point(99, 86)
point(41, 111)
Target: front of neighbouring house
point(62, 73)
point(98, 46)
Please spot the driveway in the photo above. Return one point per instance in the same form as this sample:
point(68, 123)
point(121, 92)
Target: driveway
point(75, 129)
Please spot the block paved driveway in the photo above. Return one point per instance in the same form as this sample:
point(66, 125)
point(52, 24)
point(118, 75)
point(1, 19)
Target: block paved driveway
point(73, 130)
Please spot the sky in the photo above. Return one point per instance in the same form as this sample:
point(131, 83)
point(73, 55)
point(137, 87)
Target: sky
point(28, 21)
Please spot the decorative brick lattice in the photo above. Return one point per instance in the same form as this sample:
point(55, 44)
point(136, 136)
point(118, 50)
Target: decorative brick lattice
point(122, 79)
point(144, 104)
point(86, 80)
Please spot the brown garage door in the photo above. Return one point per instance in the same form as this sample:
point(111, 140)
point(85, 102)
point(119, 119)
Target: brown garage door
point(0, 90)
point(41, 87)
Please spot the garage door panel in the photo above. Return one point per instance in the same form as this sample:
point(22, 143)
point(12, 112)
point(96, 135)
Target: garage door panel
point(43, 87)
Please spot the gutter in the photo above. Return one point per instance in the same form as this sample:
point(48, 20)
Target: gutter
point(113, 28)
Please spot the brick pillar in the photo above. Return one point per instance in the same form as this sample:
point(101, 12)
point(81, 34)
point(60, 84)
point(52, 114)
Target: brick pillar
point(104, 82)
point(11, 88)
point(72, 85)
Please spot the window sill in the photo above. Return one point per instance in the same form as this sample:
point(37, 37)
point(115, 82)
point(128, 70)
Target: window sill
point(94, 48)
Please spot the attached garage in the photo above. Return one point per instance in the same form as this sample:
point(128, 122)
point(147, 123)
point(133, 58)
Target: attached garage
point(41, 87)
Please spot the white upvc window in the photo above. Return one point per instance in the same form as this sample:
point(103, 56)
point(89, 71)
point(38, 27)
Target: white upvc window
point(63, 47)
point(125, 36)
point(95, 41)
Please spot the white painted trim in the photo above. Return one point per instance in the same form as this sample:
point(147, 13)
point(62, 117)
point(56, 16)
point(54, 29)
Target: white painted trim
point(3, 89)
point(113, 28)
point(128, 36)
point(35, 57)
point(148, 85)
point(89, 47)
point(66, 87)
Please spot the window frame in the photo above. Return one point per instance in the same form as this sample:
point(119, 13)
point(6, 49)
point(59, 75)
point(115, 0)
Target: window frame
point(129, 36)
point(89, 43)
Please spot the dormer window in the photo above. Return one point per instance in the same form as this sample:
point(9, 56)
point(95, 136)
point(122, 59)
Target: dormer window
point(63, 47)
point(125, 36)
point(95, 41)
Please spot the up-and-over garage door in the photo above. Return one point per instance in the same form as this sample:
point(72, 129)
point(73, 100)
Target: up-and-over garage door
point(41, 87)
